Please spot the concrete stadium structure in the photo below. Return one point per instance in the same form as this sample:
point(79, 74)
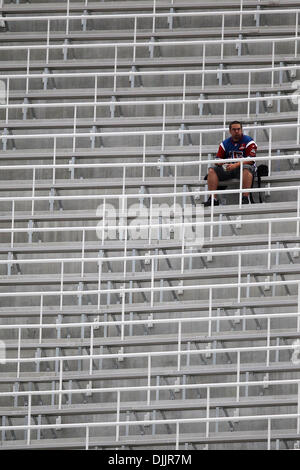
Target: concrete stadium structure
point(119, 331)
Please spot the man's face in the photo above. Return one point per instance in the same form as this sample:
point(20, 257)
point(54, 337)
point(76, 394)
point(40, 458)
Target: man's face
point(236, 132)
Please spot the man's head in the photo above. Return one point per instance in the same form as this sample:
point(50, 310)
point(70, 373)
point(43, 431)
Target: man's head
point(236, 130)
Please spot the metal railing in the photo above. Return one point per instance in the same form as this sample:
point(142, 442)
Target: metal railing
point(134, 45)
point(154, 16)
point(132, 74)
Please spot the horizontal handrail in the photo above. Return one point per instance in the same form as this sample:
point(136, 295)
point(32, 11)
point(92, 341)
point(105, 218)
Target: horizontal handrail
point(152, 44)
point(144, 195)
point(146, 133)
point(152, 15)
point(81, 166)
point(127, 290)
point(150, 72)
point(80, 104)
point(170, 256)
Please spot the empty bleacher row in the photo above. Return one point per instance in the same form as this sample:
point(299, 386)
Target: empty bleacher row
point(115, 338)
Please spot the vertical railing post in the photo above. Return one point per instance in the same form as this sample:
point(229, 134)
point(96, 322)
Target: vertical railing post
point(54, 160)
point(222, 39)
point(149, 380)
point(33, 191)
point(241, 15)
point(183, 96)
point(60, 383)
point(269, 243)
point(163, 127)
point(273, 63)
point(144, 156)
point(179, 345)
point(74, 128)
point(241, 183)
point(19, 352)
point(269, 433)
point(203, 65)
point(238, 367)
point(207, 410)
point(12, 224)
point(29, 420)
point(48, 41)
point(154, 16)
point(91, 348)
point(41, 318)
point(298, 409)
point(115, 68)
point(296, 34)
point(134, 40)
point(68, 17)
point(95, 97)
point(82, 252)
point(249, 94)
point(177, 436)
point(7, 100)
point(268, 341)
point(27, 71)
point(61, 284)
point(200, 155)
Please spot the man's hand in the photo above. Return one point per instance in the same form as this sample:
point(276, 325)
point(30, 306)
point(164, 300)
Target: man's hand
point(232, 166)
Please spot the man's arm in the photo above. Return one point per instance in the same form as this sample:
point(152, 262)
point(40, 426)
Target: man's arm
point(221, 154)
point(251, 148)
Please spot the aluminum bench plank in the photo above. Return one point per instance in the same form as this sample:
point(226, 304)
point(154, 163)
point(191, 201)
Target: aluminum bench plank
point(203, 274)
point(132, 152)
point(66, 247)
point(145, 308)
point(146, 6)
point(151, 339)
point(72, 93)
point(137, 373)
point(96, 64)
point(122, 122)
point(139, 406)
point(144, 35)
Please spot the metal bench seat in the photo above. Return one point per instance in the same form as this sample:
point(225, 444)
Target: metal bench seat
point(84, 215)
point(289, 302)
point(145, 121)
point(131, 152)
point(68, 184)
point(138, 91)
point(140, 441)
point(158, 405)
point(108, 64)
point(144, 35)
point(130, 6)
point(145, 341)
point(132, 373)
point(46, 248)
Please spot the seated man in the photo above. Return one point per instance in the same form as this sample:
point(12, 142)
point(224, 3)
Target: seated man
point(236, 146)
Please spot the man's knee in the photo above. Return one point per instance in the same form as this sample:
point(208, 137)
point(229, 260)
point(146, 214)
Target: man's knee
point(212, 172)
point(247, 172)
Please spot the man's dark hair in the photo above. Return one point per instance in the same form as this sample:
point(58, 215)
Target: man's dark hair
point(235, 122)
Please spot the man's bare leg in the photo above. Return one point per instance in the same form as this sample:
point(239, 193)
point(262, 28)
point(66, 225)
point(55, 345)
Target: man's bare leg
point(212, 180)
point(247, 181)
